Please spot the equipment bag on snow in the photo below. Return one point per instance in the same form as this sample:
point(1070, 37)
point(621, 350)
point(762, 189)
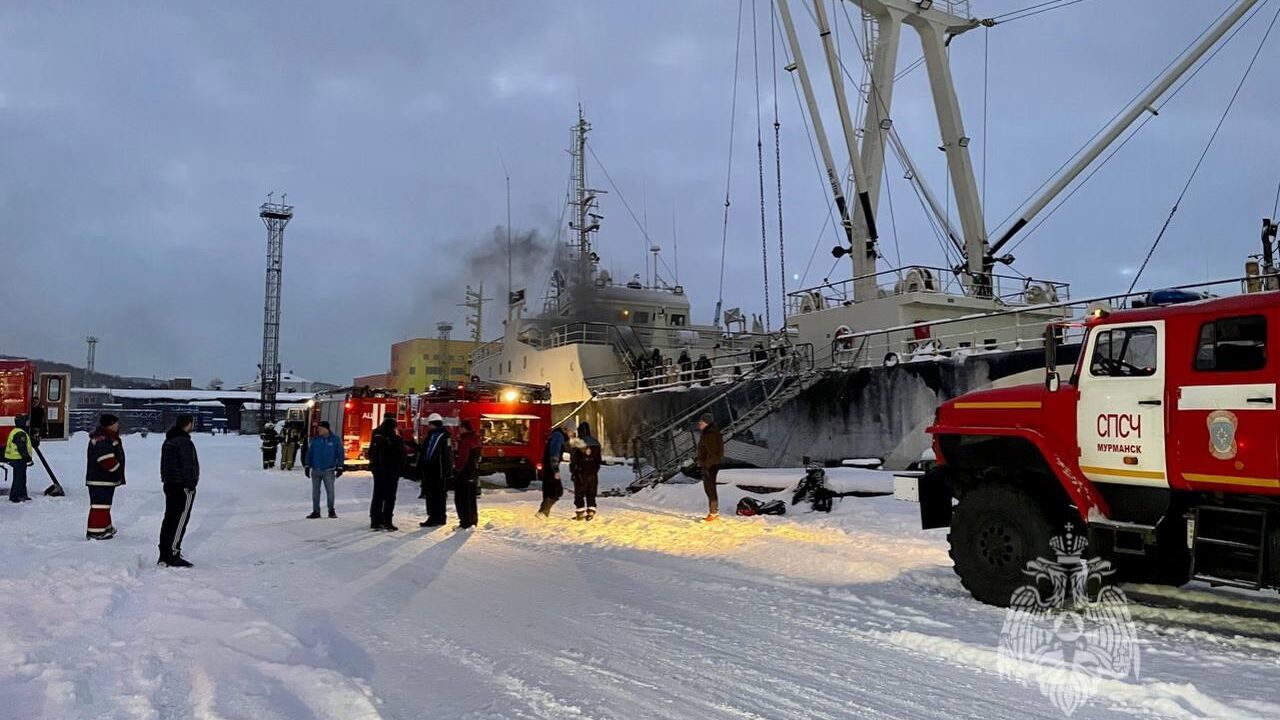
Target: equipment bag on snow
point(813, 487)
point(750, 506)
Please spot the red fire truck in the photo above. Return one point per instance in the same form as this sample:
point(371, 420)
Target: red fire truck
point(22, 389)
point(513, 421)
point(353, 413)
point(1164, 445)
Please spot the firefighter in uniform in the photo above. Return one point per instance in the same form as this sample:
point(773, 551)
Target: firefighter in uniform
point(553, 452)
point(104, 472)
point(17, 453)
point(270, 441)
point(435, 462)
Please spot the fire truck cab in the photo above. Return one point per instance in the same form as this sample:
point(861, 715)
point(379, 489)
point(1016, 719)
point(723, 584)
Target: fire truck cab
point(512, 419)
point(1164, 444)
point(42, 397)
point(353, 414)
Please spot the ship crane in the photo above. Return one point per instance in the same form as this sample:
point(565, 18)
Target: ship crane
point(937, 23)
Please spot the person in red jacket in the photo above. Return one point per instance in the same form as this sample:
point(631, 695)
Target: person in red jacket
point(466, 478)
point(104, 472)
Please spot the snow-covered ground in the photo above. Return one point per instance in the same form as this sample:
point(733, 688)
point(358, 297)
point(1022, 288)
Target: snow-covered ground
point(643, 613)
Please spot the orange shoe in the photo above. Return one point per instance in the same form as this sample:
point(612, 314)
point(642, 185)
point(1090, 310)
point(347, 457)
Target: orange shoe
point(712, 517)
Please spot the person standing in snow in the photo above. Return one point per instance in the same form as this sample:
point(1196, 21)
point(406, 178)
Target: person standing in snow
point(17, 454)
point(435, 462)
point(552, 453)
point(386, 462)
point(686, 367)
point(322, 462)
point(466, 486)
point(584, 466)
point(292, 436)
point(270, 441)
point(104, 472)
point(180, 473)
point(710, 455)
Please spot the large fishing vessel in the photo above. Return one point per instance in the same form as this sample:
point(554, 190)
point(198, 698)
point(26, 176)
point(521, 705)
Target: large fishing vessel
point(861, 363)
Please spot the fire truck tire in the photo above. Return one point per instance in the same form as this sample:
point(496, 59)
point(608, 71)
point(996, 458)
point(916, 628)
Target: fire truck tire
point(996, 530)
point(520, 479)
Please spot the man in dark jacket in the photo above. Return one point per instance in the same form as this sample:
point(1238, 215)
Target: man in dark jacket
point(386, 461)
point(435, 462)
point(104, 472)
point(322, 462)
point(552, 454)
point(584, 465)
point(270, 441)
point(466, 466)
point(180, 473)
point(17, 454)
point(686, 367)
point(703, 370)
point(710, 455)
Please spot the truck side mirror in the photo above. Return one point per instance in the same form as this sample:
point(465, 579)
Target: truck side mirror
point(1051, 379)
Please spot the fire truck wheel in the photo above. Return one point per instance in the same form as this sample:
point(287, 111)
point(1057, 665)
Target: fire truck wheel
point(519, 479)
point(996, 530)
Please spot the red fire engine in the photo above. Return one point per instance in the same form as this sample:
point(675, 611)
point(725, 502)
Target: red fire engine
point(353, 414)
point(513, 421)
point(23, 390)
point(1164, 444)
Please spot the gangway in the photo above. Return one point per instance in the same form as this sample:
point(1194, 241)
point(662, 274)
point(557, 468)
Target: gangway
point(662, 452)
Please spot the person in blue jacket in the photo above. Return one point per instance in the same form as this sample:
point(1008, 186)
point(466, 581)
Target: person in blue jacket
point(553, 453)
point(323, 464)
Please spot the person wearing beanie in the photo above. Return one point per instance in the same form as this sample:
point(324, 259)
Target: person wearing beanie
point(584, 467)
point(386, 462)
point(180, 473)
point(322, 462)
point(17, 454)
point(104, 472)
point(710, 455)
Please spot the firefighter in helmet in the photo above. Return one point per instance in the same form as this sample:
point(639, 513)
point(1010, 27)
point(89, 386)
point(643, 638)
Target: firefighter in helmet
point(270, 441)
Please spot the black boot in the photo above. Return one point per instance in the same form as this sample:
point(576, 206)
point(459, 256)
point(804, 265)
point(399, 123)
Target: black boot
point(177, 561)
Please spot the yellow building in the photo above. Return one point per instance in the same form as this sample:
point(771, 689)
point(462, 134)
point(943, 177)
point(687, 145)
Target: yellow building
point(419, 363)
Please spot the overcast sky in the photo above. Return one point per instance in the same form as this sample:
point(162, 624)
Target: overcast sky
point(138, 138)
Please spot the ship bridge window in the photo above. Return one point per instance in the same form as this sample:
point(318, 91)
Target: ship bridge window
point(677, 320)
point(1233, 344)
point(1124, 352)
point(642, 317)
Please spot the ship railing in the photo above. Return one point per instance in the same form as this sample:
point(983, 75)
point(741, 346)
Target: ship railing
point(992, 332)
point(724, 369)
point(1008, 289)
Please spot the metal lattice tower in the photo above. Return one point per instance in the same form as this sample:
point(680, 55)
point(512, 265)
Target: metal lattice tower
point(275, 216)
point(91, 362)
point(444, 329)
point(475, 303)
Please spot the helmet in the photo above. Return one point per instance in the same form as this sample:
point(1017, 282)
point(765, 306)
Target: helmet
point(435, 418)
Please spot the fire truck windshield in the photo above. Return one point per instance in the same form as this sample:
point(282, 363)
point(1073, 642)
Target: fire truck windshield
point(505, 429)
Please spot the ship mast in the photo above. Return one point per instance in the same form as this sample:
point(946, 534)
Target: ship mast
point(586, 216)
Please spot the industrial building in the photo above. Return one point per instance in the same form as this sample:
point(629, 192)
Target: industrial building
point(419, 363)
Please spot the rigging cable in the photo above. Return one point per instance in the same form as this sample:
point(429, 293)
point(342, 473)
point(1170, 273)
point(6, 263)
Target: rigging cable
point(1027, 12)
point(777, 159)
point(817, 166)
point(1172, 94)
point(1085, 145)
point(1213, 136)
point(1276, 207)
point(764, 228)
point(728, 180)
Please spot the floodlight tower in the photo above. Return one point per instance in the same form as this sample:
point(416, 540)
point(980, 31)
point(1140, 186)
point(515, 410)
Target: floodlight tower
point(275, 215)
point(91, 361)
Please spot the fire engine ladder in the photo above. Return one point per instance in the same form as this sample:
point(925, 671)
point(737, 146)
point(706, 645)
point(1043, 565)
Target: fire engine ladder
point(661, 453)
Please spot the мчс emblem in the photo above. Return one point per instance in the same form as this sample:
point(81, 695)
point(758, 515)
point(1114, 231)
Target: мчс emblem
point(1222, 434)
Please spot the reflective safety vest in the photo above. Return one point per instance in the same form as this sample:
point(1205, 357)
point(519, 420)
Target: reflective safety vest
point(11, 446)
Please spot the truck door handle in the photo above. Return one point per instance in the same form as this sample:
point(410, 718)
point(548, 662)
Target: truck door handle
point(1265, 400)
point(1148, 402)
